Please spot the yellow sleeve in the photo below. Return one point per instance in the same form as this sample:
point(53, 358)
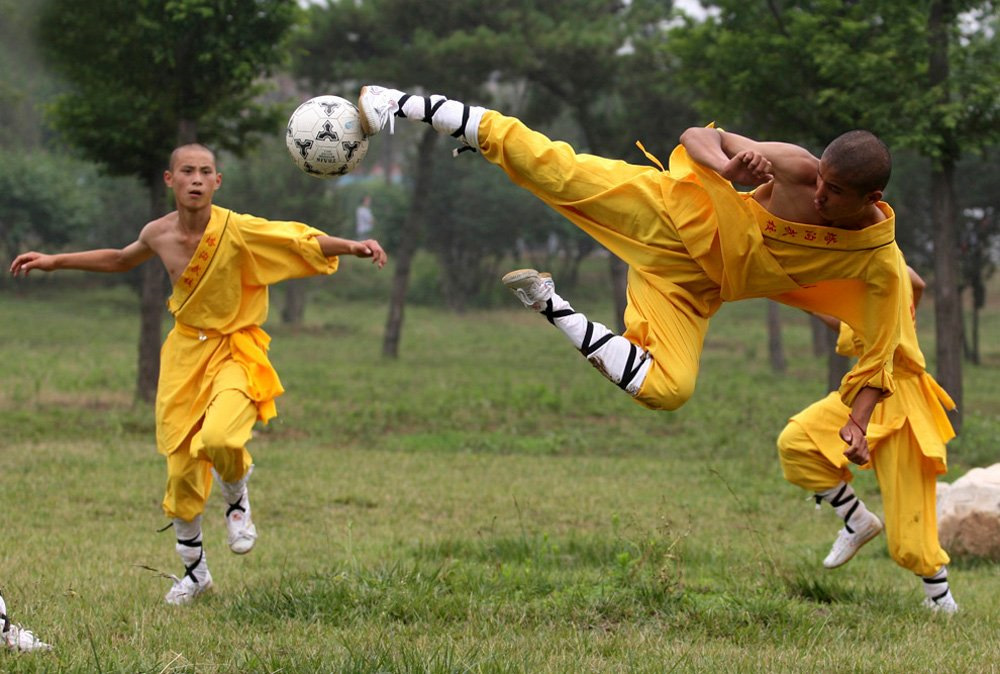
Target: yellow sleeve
point(868, 297)
point(877, 327)
point(848, 344)
point(280, 250)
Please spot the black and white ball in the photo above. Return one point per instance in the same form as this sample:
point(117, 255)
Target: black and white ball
point(325, 137)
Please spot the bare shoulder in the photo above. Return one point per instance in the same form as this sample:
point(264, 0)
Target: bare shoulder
point(155, 229)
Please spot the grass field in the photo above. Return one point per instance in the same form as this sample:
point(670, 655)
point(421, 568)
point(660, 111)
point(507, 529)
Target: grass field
point(487, 503)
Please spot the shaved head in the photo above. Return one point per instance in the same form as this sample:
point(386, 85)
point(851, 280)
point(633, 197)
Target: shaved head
point(860, 159)
point(197, 147)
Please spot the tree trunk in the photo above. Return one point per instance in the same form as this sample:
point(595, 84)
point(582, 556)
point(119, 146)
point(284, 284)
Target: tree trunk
point(294, 311)
point(836, 365)
point(152, 296)
point(409, 240)
point(947, 311)
point(619, 289)
point(775, 349)
point(820, 336)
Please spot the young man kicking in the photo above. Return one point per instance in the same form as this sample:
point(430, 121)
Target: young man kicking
point(814, 234)
point(215, 381)
point(907, 436)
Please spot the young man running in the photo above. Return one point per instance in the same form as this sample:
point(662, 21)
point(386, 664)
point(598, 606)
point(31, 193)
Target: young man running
point(215, 381)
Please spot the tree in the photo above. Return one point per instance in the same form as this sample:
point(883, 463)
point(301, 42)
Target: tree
point(923, 75)
point(144, 75)
point(41, 200)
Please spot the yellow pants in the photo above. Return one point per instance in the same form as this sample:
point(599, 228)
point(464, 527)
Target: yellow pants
point(219, 441)
point(627, 209)
point(906, 478)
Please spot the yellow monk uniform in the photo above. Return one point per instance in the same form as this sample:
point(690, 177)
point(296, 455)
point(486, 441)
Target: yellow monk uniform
point(907, 437)
point(215, 377)
point(691, 241)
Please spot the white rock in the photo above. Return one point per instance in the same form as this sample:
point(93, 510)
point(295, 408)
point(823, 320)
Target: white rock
point(969, 514)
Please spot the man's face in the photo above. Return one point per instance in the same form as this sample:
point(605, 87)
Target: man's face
point(193, 178)
point(836, 200)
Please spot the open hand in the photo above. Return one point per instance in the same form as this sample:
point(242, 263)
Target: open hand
point(371, 248)
point(25, 262)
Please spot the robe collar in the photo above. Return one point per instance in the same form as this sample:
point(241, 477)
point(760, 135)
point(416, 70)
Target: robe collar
point(201, 260)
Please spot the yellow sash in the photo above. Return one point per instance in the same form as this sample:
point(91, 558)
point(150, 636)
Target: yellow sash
point(249, 348)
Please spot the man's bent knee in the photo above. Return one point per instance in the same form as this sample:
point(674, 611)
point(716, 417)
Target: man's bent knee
point(658, 394)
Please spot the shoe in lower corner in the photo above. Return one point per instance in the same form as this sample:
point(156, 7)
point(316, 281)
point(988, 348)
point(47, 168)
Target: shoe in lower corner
point(16, 638)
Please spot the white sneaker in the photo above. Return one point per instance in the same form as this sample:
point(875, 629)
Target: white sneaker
point(185, 590)
point(16, 638)
point(848, 544)
point(240, 529)
point(377, 106)
point(945, 604)
point(531, 287)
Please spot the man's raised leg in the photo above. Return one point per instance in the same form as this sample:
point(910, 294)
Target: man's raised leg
point(622, 362)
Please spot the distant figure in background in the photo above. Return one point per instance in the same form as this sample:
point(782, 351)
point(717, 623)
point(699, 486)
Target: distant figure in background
point(364, 221)
point(907, 437)
point(15, 637)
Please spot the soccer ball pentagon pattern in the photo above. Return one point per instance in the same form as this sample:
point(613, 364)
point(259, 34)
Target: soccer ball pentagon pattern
point(325, 138)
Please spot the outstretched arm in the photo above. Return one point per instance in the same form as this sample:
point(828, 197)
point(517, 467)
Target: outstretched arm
point(747, 161)
point(332, 245)
point(100, 260)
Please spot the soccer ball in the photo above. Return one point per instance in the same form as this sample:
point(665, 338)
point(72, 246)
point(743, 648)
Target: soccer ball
point(325, 138)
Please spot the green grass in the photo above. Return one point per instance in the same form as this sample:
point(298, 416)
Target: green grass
point(486, 503)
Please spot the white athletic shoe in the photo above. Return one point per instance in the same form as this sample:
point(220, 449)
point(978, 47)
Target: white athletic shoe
point(945, 604)
point(378, 106)
point(240, 529)
point(848, 544)
point(16, 638)
point(185, 590)
point(531, 287)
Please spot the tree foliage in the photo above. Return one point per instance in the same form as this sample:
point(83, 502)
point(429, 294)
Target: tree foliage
point(44, 199)
point(139, 71)
point(807, 71)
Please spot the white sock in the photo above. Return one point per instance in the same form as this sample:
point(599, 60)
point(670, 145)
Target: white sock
point(235, 494)
point(618, 359)
point(445, 115)
point(190, 549)
point(845, 503)
point(936, 586)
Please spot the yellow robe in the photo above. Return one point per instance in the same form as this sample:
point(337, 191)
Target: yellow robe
point(692, 241)
point(218, 304)
point(907, 435)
